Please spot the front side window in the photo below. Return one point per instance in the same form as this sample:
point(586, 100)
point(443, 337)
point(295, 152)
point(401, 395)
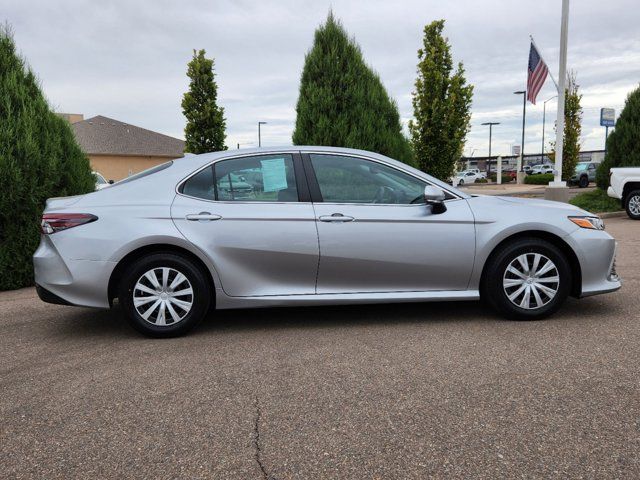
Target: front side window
point(345, 179)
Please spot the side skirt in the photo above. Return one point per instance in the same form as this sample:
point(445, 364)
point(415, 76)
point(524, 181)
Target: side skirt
point(224, 301)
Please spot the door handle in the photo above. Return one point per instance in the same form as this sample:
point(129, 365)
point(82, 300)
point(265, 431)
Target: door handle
point(202, 216)
point(335, 217)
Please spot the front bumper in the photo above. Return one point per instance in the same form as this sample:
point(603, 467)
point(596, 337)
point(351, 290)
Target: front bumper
point(612, 193)
point(596, 252)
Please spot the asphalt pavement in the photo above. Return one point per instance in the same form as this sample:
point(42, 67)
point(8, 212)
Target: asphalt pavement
point(365, 392)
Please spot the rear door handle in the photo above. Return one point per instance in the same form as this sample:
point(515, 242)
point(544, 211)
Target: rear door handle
point(202, 216)
point(335, 217)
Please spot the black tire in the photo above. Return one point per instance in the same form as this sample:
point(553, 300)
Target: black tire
point(631, 202)
point(493, 291)
point(200, 298)
point(583, 182)
point(461, 182)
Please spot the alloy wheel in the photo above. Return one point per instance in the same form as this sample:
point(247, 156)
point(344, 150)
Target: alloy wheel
point(634, 205)
point(531, 281)
point(163, 296)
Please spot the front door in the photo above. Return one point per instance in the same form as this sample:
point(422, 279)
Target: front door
point(250, 217)
point(377, 235)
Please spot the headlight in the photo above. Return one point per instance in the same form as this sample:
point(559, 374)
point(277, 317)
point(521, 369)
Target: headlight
point(592, 223)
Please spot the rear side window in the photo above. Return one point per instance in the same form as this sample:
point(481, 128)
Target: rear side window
point(263, 178)
point(200, 185)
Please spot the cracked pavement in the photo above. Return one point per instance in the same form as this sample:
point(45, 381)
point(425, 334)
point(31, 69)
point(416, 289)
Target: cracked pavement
point(387, 391)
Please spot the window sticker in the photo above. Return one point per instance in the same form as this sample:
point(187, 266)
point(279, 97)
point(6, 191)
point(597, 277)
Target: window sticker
point(274, 174)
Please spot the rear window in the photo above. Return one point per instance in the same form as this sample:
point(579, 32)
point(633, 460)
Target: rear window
point(146, 173)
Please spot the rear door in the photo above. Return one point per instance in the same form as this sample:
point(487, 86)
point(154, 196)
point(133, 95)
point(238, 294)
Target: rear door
point(377, 235)
point(253, 217)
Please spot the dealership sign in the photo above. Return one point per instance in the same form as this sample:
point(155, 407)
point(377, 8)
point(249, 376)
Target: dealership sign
point(607, 117)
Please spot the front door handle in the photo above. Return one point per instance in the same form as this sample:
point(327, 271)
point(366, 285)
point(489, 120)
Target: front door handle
point(335, 217)
point(202, 216)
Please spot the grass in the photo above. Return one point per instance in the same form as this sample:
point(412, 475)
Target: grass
point(596, 201)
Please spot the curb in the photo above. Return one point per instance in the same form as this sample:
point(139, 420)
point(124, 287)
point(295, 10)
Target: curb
point(620, 214)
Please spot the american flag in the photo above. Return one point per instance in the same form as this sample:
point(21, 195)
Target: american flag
point(537, 74)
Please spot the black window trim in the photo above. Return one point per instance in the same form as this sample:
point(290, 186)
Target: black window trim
point(301, 183)
point(314, 186)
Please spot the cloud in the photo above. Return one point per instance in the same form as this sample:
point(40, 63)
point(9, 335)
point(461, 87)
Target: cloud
point(127, 59)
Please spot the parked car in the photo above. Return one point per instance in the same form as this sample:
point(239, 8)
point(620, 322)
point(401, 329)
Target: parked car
point(584, 174)
point(331, 226)
point(538, 169)
point(465, 177)
point(527, 169)
point(101, 182)
point(625, 185)
point(477, 171)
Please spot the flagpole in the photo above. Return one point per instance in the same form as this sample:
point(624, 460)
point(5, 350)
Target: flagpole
point(557, 184)
point(545, 62)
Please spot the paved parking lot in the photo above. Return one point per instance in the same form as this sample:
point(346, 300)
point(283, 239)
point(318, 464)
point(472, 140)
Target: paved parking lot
point(396, 391)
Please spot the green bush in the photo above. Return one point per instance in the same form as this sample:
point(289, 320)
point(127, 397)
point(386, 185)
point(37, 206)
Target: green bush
point(481, 180)
point(39, 158)
point(505, 178)
point(596, 201)
point(623, 147)
point(539, 179)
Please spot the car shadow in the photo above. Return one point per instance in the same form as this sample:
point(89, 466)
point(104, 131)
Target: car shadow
point(111, 323)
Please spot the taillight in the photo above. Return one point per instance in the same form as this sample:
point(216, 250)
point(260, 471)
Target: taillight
point(54, 222)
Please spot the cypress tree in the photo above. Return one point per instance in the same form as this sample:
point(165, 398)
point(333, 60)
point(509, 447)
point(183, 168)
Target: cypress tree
point(39, 158)
point(623, 144)
point(441, 106)
point(205, 129)
point(342, 101)
point(572, 129)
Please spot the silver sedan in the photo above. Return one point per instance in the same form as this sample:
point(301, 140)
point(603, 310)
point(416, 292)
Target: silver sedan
point(310, 226)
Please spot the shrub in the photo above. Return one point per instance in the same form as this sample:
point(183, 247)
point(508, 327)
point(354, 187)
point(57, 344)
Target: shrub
point(39, 158)
point(481, 180)
point(623, 147)
point(505, 178)
point(540, 179)
point(596, 201)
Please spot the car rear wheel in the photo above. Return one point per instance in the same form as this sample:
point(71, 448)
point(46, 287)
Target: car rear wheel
point(528, 279)
point(632, 205)
point(584, 181)
point(164, 295)
point(461, 182)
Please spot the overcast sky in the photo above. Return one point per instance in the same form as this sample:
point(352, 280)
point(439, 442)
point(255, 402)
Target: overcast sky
point(127, 59)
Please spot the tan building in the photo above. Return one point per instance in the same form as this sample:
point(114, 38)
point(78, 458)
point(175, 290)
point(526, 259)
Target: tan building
point(118, 150)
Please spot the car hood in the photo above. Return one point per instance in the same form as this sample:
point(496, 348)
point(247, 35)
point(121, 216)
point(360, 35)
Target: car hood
point(531, 207)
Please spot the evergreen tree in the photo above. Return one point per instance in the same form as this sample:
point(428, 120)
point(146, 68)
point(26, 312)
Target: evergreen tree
point(441, 106)
point(205, 129)
point(623, 144)
point(342, 102)
point(572, 129)
point(39, 158)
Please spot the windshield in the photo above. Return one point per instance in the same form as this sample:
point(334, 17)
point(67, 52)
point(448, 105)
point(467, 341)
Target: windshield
point(146, 172)
point(581, 167)
point(99, 178)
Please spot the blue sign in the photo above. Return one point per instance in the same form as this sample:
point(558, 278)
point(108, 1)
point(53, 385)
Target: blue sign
point(607, 117)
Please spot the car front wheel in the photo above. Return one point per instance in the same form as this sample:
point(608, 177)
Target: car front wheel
point(583, 182)
point(528, 279)
point(164, 295)
point(632, 205)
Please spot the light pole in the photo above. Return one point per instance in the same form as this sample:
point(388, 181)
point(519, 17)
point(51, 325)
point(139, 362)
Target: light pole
point(544, 116)
point(491, 124)
point(259, 138)
point(524, 115)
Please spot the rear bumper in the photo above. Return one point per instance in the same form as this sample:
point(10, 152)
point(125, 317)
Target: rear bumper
point(70, 282)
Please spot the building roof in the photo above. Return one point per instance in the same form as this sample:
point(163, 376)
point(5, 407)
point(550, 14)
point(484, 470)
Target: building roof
point(105, 136)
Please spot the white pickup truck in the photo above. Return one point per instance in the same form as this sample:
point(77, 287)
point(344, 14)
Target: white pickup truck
point(625, 184)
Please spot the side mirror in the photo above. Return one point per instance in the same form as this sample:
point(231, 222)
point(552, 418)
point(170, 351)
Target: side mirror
point(434, 196)
point(111, 182)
